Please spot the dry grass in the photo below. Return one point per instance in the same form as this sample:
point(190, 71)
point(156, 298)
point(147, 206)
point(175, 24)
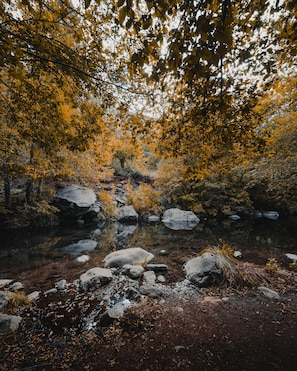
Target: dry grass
point(235, 272)
point(18, 299)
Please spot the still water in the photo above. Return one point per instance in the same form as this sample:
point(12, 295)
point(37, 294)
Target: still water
point(45, 254)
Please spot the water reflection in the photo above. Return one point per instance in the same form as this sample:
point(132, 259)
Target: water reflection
point(258, 239)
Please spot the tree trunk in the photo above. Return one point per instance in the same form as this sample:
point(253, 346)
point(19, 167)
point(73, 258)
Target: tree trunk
point(28, 191)
point(7, 190)
point(39, 188)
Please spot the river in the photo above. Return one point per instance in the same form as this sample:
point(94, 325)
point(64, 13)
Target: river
point(41, 257)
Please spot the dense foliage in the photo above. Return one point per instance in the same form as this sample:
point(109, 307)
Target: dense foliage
point(82, 82)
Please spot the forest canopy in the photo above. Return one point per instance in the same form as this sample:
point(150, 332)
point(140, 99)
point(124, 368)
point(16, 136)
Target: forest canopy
point(185, 78)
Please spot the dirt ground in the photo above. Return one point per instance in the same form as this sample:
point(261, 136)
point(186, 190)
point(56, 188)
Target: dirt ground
point(223, 329)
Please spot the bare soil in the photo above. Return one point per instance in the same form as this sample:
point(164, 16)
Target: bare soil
point(223, 329)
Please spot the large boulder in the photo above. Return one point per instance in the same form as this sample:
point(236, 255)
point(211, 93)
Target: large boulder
point(127, 214)
point(177, 219)
point(133, 256)
point(203, 270)
point(75, 201)
point(95, 277)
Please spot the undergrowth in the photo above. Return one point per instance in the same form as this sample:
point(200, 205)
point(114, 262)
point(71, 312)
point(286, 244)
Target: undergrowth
point(236, 273)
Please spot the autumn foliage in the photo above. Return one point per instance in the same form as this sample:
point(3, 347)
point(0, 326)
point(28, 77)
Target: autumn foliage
point(202, 88)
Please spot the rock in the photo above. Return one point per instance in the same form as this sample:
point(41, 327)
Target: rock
point(132, 255)
point(177, 219)
point(35, 295)
point(61, 285)
point(109, 316)
point(237, 254)
point(151, 291)
point(50, 292)
point(9, 323)
point(202, 270)
point(96, 233)
point(153, 218)
point(16, 286)
point(94, 277)
point(5, 282)
point(161, 278)
point(80, 247)
point(271, 294)
point(273, 215)
point(122, 305)
point(3, 299)
point(127, 214)
point(74, 201)
point(149, 277)
point(291, 256)
point(234, 217)
point(133, 294)
point(157, 267)
point(133, 271)
point(83, 259)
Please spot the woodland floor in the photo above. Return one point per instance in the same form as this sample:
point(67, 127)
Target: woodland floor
point(247, 331)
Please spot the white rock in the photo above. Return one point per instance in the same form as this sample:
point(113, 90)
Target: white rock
point(83, 259)
point(202, 269)
point(94, 277)
point(149, 277)
point(16, 286)
point(234, 217)
point(132, 255)
point(35, 295)
point(273, 215)
point(50, 292)
point(122, 306)
point(127, 214)
point(291, 256)
point(153, 218)
point(161, 278)
point(177, 219)
point(80, 196)
point(133, 271)
point(269, 293)
point(5, 282)
point(61, 285)
point(237, 254)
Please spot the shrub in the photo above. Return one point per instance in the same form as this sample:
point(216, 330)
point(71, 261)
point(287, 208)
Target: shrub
point(234, 272)
point(145, 198)
point(17, 299)
point(108, 205)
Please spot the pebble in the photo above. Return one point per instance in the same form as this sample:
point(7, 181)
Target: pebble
point(34, 295)
point(269, 293)
point(83, 259)
point(161, 278)
point(50, 292)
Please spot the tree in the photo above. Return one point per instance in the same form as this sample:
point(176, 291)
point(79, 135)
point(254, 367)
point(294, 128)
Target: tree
point(213, 59)
point(55, 89)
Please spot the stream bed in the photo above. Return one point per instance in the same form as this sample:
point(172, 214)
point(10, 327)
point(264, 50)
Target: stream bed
point(40, 258)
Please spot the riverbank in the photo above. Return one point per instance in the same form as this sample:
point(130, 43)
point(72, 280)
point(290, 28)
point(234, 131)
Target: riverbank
point(222, 329)
point(187, 328)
